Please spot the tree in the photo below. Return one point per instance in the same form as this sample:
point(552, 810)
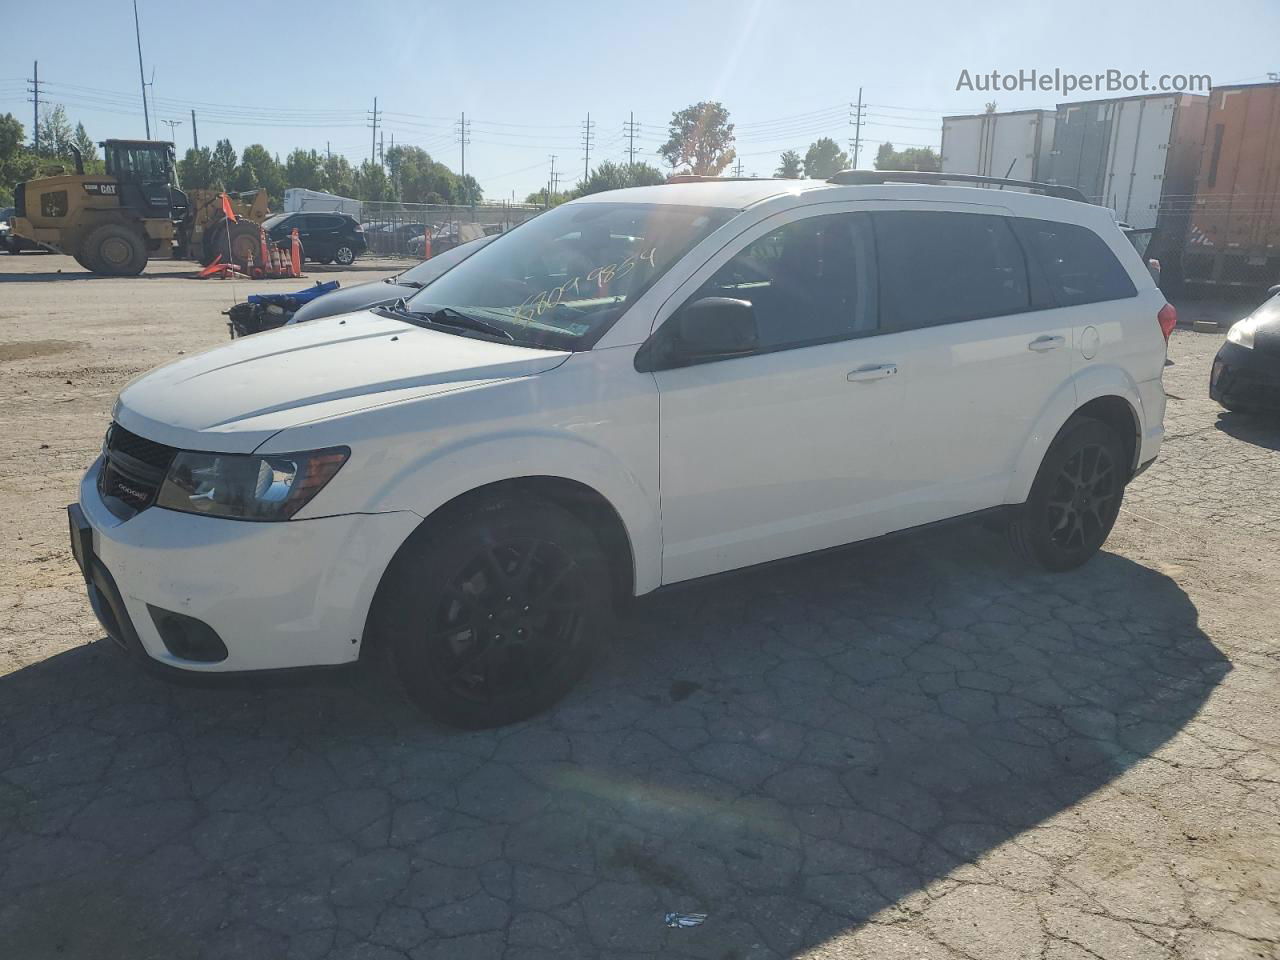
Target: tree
point(222, 170)
point(370, 182)
point(259, 170)
point(195, 169)
point(416, 178)
point(304, 168)
point(790, 165)
point(616, 176)
point(540, 198)
point(469, 191)
point(338, 176)
point(88, 149)
point(13, 157)
point(824, 159)
point(913, 158)
point(56, 135)
point(701, 139)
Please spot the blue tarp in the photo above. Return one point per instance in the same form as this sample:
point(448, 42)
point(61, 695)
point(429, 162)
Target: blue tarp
point(292, 301)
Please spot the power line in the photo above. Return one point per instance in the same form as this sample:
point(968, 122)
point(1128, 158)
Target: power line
point(588, 132)
point(34, 90)
point(855, 118)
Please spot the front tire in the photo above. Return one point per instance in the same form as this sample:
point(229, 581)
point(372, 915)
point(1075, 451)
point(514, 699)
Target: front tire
point(1074, 500)
point(345, 255)
point(494, 613)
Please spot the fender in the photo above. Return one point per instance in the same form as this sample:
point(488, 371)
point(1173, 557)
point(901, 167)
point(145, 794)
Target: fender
point(1089, 383)
point(427, 483)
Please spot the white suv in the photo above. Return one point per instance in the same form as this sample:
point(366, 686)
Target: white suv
point(634, 389)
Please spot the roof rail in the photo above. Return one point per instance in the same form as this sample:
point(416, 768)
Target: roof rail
point(857, 177)
point(708, 178)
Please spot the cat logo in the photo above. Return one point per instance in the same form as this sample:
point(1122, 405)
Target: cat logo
point(101, 189)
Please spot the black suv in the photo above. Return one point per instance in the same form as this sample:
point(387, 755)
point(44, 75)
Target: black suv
point(325, 237)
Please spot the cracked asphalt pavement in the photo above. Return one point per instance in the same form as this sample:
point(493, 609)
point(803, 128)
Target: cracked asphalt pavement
point(909, 748)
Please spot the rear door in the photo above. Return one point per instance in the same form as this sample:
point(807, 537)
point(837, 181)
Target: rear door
point(980, 353)
point(321, 235)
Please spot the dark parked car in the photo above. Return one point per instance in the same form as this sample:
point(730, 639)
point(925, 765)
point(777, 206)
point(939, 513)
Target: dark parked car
point(1246, 371)
point(383, 292)
point(325, 237)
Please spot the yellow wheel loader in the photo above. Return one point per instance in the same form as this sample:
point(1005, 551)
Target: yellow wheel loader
point(112, 223)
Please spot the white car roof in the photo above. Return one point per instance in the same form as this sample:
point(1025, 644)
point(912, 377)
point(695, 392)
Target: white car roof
point(740, 194)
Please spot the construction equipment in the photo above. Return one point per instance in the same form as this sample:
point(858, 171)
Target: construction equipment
point(203, 234)
point(110, 224)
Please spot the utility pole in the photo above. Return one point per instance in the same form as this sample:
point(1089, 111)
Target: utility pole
point(464, 137)
point(587, 134)
point(737, 168)
point(328, 154)
point(381, 155)
point(373, 143)
point(195, 137)
point(173, 124)
point(551, 182)
point(630, 129)
point(142, 77)
point(855, 118)
point(34, 90)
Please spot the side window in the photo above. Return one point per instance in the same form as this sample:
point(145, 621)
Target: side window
point(1077, 263)
point(809, 281)
point(938, 267)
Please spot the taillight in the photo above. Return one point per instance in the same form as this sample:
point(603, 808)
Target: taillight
point(1168, 319)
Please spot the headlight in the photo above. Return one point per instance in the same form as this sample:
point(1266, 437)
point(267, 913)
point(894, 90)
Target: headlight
point(1241, 332)
point(248, 487)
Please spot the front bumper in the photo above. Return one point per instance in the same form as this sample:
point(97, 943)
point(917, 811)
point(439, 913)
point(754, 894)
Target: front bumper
point(1245, 379)
point(290, 594)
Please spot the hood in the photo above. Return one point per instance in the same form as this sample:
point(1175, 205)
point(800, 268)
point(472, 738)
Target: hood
point(233, 398)
point(362, 296)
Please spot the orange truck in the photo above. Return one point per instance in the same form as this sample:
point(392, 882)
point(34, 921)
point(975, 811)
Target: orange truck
point(1234, 235)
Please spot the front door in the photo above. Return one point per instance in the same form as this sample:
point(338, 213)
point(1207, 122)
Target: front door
point(791, 448)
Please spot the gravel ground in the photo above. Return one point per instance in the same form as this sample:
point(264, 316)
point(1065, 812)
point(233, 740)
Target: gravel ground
point(912, 748)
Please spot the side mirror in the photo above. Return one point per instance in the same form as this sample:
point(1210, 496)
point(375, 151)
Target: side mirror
point(713, 328)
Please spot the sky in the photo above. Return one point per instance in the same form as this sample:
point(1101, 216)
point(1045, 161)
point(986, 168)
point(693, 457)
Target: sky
point(528, 74)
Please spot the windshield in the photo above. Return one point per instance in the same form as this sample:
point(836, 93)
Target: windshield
point(562, 279)
point(428, 270)
point(275, 221)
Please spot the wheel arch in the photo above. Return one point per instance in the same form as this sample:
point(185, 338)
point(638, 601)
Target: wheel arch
point(584, 502)
point(1104, 393)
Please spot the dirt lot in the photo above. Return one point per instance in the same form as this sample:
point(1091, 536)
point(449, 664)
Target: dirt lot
point(906, 749)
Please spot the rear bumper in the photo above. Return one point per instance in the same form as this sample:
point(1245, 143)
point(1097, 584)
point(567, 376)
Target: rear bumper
point(277, 595)
point(1244, 379)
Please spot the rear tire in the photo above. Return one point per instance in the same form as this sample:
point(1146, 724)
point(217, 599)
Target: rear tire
point(237, 245)
point(116, 250)
point(345, 255)
point(1074, 500)
point(493, 613)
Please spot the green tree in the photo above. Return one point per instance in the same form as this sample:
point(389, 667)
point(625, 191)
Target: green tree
point(700, 139)
point(304, 168)
point(338, 176)
point(913, 158)
point(469, 191)
point(824, 159)
point(195, 169)
point(222, 169)
point(540, 198)
point(370, 182)
point(417, 178)
point(56, 135)
point(88, 149)
point(258, 169)
point(616, 176)
point(790, 166)
point(15, 160)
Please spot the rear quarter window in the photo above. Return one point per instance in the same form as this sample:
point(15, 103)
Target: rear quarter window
point(1077, 263)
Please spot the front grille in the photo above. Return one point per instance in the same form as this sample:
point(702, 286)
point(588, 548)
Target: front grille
point(133, 471)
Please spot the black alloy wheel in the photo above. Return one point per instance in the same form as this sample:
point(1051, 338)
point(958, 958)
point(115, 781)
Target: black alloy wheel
point(495, 614)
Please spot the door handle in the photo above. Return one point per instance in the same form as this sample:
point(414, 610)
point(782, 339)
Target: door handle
point(877, 372)
point(1041, 344)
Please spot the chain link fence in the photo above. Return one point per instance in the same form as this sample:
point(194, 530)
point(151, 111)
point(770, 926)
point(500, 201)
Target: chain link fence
point(397, 229)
